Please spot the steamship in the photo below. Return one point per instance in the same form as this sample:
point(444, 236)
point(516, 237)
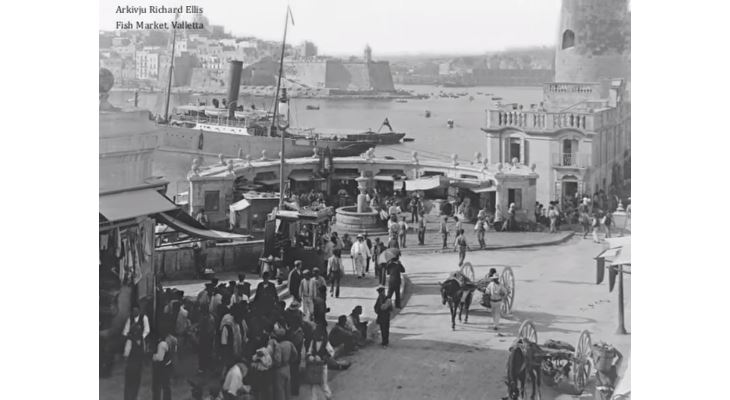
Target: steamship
point(234, 130)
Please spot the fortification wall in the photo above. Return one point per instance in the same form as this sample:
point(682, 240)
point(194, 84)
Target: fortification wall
point(338, 75)
point(312, 74)
point(359, 76)
point(602, 41)
point(381, 79)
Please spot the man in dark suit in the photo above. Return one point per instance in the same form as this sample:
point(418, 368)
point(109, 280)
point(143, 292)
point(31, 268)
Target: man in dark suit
point(295, 279)
point(266, 295)
point(246, 285)
point(383, 307)
point(395, 268)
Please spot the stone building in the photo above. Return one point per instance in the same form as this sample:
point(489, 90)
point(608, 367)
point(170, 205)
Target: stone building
point(579, 136)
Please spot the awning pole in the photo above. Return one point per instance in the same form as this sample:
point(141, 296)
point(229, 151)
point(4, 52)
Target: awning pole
point(621, 327)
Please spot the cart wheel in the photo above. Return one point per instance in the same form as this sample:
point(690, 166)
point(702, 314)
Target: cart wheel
point(528, 331)
point(582, 361)
point(508, 280)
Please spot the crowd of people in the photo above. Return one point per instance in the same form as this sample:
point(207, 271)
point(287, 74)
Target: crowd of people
point(248, 341)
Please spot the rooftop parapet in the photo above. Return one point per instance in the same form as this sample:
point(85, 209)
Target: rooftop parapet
point(534, 120)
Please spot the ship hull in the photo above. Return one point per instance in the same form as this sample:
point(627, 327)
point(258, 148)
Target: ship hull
point(230, 144)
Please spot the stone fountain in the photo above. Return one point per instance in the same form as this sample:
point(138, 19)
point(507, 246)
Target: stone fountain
point(359, 218)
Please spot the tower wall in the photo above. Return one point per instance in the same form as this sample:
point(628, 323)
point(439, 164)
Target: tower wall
point(601, 37)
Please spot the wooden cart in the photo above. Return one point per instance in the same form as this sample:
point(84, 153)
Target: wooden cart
point(563, 366)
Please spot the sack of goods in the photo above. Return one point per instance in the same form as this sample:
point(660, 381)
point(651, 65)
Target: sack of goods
point(314, 371)
point(603, 355)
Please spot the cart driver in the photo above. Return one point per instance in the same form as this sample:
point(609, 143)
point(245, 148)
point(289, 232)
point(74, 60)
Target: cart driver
point(496, 293)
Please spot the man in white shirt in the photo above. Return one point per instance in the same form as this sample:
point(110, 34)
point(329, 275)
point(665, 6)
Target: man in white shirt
point(233, 383)
point(359, 252)
point(402, 230)
point(307, 291)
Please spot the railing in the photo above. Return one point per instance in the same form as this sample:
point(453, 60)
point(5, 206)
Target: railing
point(540, 120)
point(575, 160)
point(584, 88)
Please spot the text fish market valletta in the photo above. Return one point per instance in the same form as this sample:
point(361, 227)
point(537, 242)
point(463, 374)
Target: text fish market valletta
point(491, 184)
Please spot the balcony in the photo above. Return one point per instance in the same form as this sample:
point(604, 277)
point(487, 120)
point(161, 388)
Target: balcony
point(541, 120)
point(570, 160)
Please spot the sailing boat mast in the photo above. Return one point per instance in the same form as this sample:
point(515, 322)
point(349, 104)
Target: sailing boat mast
point(276, 109)
point(169, 79)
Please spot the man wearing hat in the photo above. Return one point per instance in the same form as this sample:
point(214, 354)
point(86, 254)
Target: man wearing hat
point(383, 307)
point(319, 282)
point(496, 293)
point(285, 354)
point(307, 290)
point(394, 269)
point(295, 279)
point(359, 252)
point(266, 295)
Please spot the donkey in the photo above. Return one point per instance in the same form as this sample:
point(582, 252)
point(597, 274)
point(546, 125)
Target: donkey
point(451, 292)
point(520, 365)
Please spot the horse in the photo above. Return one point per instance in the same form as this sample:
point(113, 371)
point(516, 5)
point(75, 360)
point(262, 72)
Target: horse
point(520, 365)
point(458, 298)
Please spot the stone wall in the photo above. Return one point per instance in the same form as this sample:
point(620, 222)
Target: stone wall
point(179, 263)
point(602, 47)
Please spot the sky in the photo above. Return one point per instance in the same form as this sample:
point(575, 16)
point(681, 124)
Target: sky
point(390, 27)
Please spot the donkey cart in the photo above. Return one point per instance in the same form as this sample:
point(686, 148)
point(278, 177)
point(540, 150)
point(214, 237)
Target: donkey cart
point(458, 289)
point(563, 366)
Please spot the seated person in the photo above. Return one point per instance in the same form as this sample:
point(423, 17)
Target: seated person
point(355, 325)
point(340, 335)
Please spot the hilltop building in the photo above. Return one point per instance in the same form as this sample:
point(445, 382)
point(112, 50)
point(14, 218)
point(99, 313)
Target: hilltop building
point(579, 137)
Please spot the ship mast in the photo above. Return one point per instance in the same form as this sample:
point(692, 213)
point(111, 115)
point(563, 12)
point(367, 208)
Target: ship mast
point(169, 79)
point(276, 108)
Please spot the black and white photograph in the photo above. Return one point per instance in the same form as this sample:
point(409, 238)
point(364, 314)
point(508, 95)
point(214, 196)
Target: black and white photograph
point(365, 200)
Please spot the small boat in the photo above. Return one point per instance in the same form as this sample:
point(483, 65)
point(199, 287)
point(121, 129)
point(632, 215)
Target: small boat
point(311, 107)
point(428, 114)
point(450, 123)
point(401, 101)
point(496, 98)
point(408, 139)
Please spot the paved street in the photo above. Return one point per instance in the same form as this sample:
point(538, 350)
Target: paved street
point(555, 288)
point(427, 360)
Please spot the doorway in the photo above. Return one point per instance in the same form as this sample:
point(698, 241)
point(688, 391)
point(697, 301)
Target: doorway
point(570, 189)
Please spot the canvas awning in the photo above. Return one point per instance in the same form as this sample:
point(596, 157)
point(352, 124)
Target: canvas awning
point(344, 176)
point(134, 203)
point(267, 182)
point(475, 186)
point(182, 222)
point(303, 176)
point(623, 245)
point(484, 189)
point(427, 183)
point(240, 205)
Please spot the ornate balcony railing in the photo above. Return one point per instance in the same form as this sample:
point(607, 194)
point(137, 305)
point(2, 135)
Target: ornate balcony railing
point(540, 120)
point(574, 160)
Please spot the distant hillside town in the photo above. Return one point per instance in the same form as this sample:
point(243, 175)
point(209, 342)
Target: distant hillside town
point(140, 59)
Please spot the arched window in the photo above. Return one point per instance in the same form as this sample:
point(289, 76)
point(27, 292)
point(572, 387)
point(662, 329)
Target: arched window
point(568, 39)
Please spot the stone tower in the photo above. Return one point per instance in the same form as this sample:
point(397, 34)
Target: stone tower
point(594, 41)
point(368, 54)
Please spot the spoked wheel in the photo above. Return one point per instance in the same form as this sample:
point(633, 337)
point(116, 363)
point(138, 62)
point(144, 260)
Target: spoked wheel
point(582, 361)
point(508, 281)
point(528, 331)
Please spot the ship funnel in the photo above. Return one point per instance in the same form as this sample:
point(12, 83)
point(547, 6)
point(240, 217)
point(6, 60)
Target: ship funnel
point(234, 84)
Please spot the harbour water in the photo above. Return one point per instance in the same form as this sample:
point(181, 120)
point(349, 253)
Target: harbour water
point(433, 138)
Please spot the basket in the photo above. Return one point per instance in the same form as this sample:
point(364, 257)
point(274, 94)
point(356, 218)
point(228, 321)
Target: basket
point(603, 355)
point(314, 373)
